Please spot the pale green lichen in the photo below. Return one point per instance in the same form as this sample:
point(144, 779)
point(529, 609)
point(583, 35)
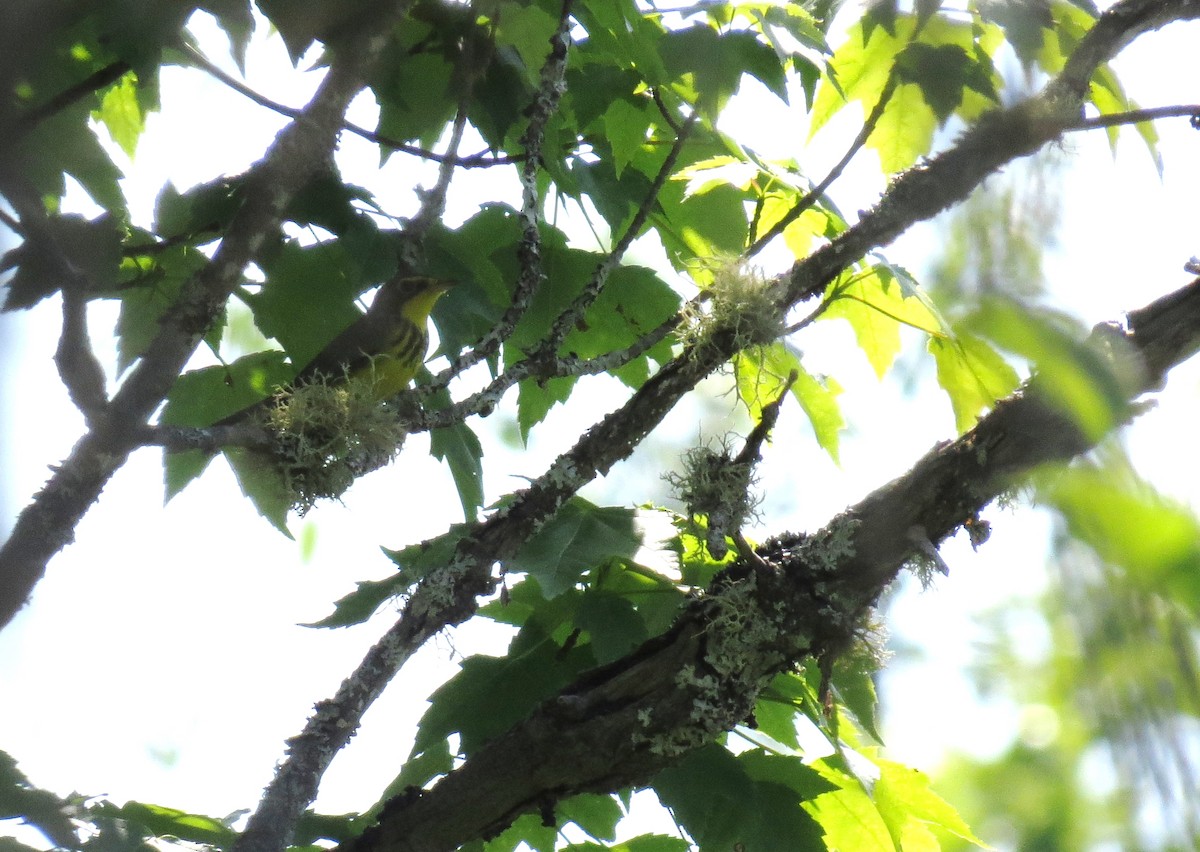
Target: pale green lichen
point(741, 303)
point(715, 486)
point(326, 434)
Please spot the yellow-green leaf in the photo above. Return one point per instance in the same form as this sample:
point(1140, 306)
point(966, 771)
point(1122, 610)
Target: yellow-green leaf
point(122, 114)
point(973, 374)
point(875, 305)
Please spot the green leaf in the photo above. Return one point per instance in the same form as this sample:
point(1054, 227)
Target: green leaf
point(528, 30)
point(308, 298)
point(91, 247)
point(642, 843)
point(152, 283)
point(1130, 525)
point(159, 821)
point(1074, 376)
point(761, 374)
point(206, 208)
point(903, 797)
point(613, 626)
point(459, 447)
point(775, 712)
point(535, 399)
point(121, 112)
point(65, 143)
point(634, 302)
point(421, 768)
point(202, 397)
point(625, 128)
point(973, 374)
point(860, 67)
point(414, 99)
point(490, 694)
point(716, 62)
point(365, 600)
point(40, 809)
point(875, 304)
point(847, 816)
point(581, 535)
point(237, 20)
point(597, 815)
point(854, 685)
point(943, 72)
point(261, 481)
point(753, 800)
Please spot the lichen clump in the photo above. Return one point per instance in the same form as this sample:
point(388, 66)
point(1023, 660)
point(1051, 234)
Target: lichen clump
point(326, 434)
point(741, 304)
point(717, 486)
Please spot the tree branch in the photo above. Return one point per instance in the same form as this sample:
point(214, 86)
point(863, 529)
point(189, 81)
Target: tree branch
point(298, 152)
point(1136, 116)
point(544, 104)
point(620, 724)
point(451, 157)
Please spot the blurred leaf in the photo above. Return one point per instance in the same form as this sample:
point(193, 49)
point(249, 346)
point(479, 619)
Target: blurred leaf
point(122, 114)
point(1128, 524)
point(90, 247)
point(1073, 375)
point(40, 809)
point(158, 820)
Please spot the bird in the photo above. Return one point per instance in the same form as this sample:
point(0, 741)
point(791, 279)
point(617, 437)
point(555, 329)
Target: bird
point(385, 346)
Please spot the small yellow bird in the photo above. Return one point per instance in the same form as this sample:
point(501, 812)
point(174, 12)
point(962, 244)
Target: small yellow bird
point(385, 346)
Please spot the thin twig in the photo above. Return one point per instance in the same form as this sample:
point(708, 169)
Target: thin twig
point(545, 103)
point(96, 80)
point(474, 161)
point(1135, 116)
point(814, 195)
point(568, 319)
point(469, 66)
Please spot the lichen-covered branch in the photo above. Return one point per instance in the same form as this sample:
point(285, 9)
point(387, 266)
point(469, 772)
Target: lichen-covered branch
point(529, 252)
point(620, 724)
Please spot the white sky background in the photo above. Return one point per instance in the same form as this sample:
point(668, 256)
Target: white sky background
point(161, 658)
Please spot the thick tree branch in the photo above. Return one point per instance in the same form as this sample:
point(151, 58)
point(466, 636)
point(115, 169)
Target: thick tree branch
point(298, 152)
point(620, 724)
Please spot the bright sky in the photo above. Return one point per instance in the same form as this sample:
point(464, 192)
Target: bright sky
point(161, 658)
